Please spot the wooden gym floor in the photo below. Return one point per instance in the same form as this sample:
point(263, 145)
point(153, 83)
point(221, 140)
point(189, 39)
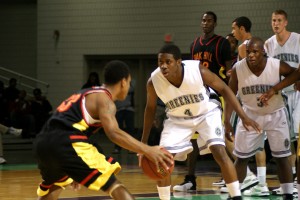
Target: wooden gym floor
point(19, 177)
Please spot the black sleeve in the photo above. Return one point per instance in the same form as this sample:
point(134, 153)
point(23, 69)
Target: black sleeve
point(225, 50)
point(191, 48)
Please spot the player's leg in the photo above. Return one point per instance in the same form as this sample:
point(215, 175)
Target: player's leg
point(279, 140)
point(189, 183)
point(212, 136)
point(53, 194)
point(118, 191)
point(227, 169)
point(176, 139)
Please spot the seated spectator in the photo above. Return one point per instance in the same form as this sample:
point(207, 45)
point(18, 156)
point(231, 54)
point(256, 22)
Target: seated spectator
point(3, 105)
point(93, 80)
point(40, 108)
point(21, 115)
point(11, 93)
point(7, 130)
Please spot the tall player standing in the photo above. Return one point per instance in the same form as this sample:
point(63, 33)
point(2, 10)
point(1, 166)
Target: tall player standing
point(214, 52)
point(285, 45)
point(181, 86)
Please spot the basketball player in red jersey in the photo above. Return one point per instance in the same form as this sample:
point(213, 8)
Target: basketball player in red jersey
point(65, 155)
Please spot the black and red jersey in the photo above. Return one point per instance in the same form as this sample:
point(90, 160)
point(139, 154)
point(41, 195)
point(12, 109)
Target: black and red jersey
point(213, 54)
point(70, 113)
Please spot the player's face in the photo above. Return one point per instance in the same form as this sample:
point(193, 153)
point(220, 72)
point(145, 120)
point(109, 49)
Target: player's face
point(255, 54)
point(279, 23)
point(233, 44)
point(125, 88)
point(168, 65)
point(208, 24)
point(236, 31)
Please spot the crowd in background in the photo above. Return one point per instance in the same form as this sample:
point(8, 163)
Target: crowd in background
point(23, 111)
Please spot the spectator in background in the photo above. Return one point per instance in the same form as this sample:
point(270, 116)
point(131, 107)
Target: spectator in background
point(125, 115)
point(7, 130)
point(3, 103)
point(40, 108)
point(11, 93)
point(21, 115)
point(93, 80)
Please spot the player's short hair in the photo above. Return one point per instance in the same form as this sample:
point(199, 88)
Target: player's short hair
point(281, 12)
point(243, 21)
point(115, 71)
point(256, 40)
point(171, 49)
point(212, 14)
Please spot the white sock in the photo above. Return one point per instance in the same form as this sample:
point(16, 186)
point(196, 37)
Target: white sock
point(261, 175)
point(234, 189)
point(294, 170)
point(164, 192)
point(287, 188)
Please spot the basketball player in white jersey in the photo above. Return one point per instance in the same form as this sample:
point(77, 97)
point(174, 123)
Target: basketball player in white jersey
point(285, 45)
point(241, 29)
point(180, 85)
point(251, 77)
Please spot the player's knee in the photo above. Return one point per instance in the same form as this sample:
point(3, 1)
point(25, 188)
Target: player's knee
point(219, 153)
point(111, 185)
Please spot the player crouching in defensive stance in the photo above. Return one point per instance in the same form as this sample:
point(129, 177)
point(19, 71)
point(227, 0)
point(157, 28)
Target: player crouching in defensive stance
point(250, 77)
point(64, 153)
point(180, 85)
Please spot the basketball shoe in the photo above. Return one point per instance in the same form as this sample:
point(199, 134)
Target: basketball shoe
point(189, 183)
point(14, 131)
point(250, 181)
point(258, 191)
point(278, 191)
point(220, 182)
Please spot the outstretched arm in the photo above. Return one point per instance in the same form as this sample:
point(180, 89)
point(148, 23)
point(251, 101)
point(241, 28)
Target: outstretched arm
point(150, 109)
point(216, 83)
point(292, 78)
point(107, 111)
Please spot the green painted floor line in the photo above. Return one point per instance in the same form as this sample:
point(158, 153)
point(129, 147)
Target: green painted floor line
point(213, 197)
point(7, 167)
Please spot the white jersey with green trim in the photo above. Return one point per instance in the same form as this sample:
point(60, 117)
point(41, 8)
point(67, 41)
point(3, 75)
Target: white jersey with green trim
point(251, 87)
point(289, 52)
point(190, 99)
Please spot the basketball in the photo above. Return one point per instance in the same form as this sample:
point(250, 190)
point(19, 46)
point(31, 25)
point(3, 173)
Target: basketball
point(150, 170)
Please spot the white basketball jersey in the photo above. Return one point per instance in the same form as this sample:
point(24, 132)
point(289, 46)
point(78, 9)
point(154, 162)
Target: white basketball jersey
point(289, 52)
point(190, 99)
point(250, 86)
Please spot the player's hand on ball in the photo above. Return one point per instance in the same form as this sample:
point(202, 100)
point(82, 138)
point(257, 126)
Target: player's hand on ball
point(159, 157)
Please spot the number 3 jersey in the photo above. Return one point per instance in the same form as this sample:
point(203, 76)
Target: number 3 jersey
point(72, 114)
point(251, 87)
point(191, 99)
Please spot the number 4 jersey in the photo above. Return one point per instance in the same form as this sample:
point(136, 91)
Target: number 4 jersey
point(191, 99)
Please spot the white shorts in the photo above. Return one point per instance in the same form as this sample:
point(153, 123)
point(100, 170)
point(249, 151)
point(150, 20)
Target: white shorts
point(294, 109)
point(276, 126)
point(178, 132)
